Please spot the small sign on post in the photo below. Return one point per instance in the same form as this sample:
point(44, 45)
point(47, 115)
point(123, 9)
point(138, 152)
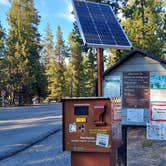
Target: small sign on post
point(3, 94)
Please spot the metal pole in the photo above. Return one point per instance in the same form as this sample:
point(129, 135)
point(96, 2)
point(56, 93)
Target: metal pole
point(99, 73)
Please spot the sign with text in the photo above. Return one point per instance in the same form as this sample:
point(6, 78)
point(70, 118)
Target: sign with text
point(158, 82)
point(158, 111)
point(135, 115)
point(117, 107)
point(156, 131)
point(111, 86)
point(136, 92)
point(3, 93)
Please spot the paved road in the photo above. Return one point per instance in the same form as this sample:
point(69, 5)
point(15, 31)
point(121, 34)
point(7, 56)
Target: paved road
point(46, 153)
point(19, 127)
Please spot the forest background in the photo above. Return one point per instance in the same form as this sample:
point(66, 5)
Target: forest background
point(32, 65)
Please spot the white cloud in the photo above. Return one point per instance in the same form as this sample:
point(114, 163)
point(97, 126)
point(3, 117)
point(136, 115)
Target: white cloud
point(67, 14)
point(5, 2)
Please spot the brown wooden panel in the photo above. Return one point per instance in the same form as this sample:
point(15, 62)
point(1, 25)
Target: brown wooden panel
point(136, 92)
point(82, 137)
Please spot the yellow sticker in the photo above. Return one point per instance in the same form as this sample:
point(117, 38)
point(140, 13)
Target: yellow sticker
point(80, 120)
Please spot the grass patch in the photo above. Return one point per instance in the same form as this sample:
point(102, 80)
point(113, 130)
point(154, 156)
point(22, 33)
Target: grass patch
point(146, 143)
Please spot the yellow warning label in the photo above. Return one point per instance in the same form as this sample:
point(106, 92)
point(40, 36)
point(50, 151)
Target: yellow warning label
point(95, 131)
point(80, 120)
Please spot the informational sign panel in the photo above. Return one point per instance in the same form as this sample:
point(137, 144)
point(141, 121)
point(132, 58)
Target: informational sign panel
point(136, 92)
point(135, 115)
point(156, 131)
point(112, 86)
point(158, 82)
point(117, 109)
point(3, 93)
point(158, 111)
point(158, 88)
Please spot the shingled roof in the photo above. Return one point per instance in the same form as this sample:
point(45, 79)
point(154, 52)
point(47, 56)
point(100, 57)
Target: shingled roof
point(132, 54)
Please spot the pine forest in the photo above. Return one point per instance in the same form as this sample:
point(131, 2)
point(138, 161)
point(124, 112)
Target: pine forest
point(47, 67)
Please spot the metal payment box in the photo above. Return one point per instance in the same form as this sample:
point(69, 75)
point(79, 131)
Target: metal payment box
point(87, 125)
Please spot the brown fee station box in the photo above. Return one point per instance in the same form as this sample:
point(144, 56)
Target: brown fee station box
point(87, 125)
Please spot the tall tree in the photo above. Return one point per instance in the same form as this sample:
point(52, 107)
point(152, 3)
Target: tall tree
point(23, 46)
point(48, 46)
point(55, 65)
point(90, 72)
point(3, 70)
point(76, 61)
point(145, 24)
point(47, 56)
point(2, 41)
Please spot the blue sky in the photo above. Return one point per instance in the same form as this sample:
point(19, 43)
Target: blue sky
point(54, 12)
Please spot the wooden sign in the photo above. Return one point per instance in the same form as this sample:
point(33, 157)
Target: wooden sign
point(136, 92)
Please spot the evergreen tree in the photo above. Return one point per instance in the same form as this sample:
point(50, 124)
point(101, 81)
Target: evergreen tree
point(60, 54)
point(90, 73)
point(23, 45)
point(76, 60)
point(47, 56)
point(3, 65)
point(48, 46)
point(55, 65)
point(145, 24)
point(2, 41)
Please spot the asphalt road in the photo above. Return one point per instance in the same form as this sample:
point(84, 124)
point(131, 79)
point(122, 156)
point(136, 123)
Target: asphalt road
point(46, 153)
point(21, 126)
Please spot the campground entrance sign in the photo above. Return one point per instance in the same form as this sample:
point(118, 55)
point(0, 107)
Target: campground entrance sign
point(136, 92)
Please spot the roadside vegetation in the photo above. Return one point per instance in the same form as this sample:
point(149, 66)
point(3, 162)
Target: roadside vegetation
point(50, 68)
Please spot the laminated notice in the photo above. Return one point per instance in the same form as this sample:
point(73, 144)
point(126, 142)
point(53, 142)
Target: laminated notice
point(156, 131)
point(102, 140)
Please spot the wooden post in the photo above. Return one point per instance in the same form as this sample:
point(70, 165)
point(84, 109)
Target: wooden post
point(99, 71)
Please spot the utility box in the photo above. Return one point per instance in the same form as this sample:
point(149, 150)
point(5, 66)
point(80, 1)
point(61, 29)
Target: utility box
point(87, 125)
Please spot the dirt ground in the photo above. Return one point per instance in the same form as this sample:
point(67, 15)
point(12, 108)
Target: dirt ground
point(143, 152)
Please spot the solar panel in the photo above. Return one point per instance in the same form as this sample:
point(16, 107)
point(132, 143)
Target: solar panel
point(99, 27)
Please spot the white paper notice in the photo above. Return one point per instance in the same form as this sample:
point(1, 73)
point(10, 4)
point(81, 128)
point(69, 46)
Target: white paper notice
point(72, 128)
point(102, 140)
point(112, 86)
point(135, 115)
point(158, 112)
point(156, 131)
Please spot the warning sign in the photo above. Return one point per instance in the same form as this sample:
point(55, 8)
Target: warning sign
point(158, 112)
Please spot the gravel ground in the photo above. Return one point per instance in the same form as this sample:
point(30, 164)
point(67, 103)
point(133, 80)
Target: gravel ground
point(46, 153)
point(143, 152)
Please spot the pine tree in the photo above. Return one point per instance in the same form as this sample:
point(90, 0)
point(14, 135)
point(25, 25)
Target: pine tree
point(55, 65)
point(90, 72)
point(60, 54)
point(23, 46)
point(76, 61)
point(48, 46)
point(2, 41)
point(3, 70)
point(145, 24)
point(47, 56)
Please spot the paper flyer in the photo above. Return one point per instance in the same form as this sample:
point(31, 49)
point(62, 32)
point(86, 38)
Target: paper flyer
point(135, 115)
point(158, 112)
point(156, 131)
point(102, 140)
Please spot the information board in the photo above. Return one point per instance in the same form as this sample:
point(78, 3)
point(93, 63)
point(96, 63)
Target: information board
point(112, 86)
point(136, 92)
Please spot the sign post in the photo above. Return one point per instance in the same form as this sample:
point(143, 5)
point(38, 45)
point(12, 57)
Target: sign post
point(99, 69)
